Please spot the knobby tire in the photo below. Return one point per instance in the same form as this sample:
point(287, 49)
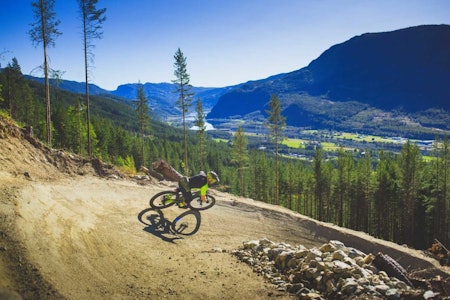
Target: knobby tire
point(160, 199)
point(198, 204)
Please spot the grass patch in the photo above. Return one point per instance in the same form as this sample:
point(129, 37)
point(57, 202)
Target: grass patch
point(293, 143)
point(218, 140)
point(327, 146)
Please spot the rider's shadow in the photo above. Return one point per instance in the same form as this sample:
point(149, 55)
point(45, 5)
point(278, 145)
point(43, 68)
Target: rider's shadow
point(166, 230)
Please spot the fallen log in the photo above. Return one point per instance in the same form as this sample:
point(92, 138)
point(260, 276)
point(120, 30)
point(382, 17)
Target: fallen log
point(152, 173)
point(166, 170)
point(386, 263)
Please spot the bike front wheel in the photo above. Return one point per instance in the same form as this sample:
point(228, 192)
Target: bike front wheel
point(163, 199)
point(198, 204)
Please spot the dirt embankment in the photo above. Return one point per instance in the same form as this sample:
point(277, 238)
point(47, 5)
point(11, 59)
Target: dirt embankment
point(77, 235)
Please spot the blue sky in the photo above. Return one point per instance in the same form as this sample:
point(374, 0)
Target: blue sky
point(226, 42)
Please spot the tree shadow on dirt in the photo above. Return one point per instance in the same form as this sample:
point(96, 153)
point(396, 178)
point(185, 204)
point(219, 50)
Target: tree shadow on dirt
point(185, 224)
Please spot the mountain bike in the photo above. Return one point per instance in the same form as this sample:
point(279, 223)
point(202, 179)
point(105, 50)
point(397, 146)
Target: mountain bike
point(168, 198)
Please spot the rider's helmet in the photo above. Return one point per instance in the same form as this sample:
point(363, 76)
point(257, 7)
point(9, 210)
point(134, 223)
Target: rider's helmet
point(212, 177)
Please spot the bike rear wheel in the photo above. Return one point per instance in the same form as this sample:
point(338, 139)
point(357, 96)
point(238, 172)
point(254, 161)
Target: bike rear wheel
point(163, 199)
point(198, 204)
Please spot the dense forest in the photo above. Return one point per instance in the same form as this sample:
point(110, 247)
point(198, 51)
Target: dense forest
point(401, 197)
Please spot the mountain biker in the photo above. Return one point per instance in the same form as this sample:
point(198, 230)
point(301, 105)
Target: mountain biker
point(201, 181)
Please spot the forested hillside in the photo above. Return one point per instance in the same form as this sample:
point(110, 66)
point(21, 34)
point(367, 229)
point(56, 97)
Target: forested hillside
point(398, 197)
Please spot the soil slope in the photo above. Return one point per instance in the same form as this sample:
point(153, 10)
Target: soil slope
point(68, 233)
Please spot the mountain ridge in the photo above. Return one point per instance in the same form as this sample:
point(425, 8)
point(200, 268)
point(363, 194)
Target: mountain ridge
point(161, 96)
point(364, 71)
point(391, 60)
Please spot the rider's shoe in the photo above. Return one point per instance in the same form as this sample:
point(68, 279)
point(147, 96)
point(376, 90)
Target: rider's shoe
point(168, 199)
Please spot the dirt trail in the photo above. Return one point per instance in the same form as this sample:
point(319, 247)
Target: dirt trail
point(85, 237)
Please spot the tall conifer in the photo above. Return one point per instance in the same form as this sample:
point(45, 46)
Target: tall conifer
point(143, 116)
point(276, 124)
point(92, 20)
point(239, 156)
point(44, 31)
point(201, 132)
point(185, 96)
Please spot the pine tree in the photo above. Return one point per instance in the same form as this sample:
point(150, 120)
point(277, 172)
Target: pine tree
point(342, 186)
point(92, 20)
point(201, 132)
point(143, 116)
point(291, 181)
point(185, 96)
point(76, 128)
point(56, 76)
point(44, 31)
point(445, 198)
point(319, 186)
point(239, 156)
point(410, 173)
point(276, 124)
point(27, 104)
point(386, 198)
point(13, 74)
point(440, 195)
point(363, 194)
point(309, 194)
point(1, 96)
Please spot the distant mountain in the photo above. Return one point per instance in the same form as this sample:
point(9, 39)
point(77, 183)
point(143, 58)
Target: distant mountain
point(71, 86)
point(406, 70)
point(161, 96)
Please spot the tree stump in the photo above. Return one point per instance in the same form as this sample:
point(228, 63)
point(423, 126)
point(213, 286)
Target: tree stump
point(440, 253)
point(166, 170)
